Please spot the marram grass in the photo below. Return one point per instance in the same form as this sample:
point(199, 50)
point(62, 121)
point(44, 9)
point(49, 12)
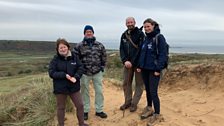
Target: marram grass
point(32, 104)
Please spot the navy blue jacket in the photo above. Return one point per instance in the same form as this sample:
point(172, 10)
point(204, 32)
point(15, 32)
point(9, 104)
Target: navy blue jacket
point(148, 57)
point(59, 67)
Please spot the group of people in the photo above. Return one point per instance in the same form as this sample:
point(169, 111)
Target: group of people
point(144, 59)
point(73, 69)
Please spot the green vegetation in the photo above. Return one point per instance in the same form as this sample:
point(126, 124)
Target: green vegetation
point(14, 63)
point(179, 58)
point(29, 102)
point(195, 58)
point(26, 96)
point(114, 68)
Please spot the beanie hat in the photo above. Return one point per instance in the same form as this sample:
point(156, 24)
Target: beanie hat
point(88, 27)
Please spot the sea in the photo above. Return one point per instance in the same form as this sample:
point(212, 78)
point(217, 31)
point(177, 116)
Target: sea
point(204, 49)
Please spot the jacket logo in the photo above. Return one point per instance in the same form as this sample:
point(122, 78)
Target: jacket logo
point(149, 46)
point(73, 63)
point(124, 40)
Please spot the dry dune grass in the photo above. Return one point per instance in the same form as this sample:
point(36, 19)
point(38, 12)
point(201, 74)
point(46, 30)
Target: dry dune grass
point(191, 95)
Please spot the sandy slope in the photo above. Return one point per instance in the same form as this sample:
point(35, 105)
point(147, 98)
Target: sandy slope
point(193, 99)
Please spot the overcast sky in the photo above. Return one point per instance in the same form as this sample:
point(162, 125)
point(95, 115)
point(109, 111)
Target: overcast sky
point(181, 21)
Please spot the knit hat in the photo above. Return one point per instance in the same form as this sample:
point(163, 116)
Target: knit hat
point(88, 27)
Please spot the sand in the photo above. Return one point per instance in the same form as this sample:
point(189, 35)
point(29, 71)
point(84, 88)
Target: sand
point(190, 96)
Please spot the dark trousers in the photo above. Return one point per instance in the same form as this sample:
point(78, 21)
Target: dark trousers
point(151, 86)
point(127, 86)
point(77, 101)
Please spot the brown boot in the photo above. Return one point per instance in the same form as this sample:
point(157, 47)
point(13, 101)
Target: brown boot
point(133, 108)
point(125, 106)
point(147, 111)
point(156, 118)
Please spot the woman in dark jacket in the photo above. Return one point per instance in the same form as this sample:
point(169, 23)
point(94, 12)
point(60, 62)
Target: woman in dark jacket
point(152, 61)
point(66, 70)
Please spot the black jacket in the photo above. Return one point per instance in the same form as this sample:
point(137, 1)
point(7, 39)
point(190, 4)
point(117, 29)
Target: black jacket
point(59, 67)
point(127, 51)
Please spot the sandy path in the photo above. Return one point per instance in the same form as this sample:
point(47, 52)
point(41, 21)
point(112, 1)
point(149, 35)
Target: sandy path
point(179, 108)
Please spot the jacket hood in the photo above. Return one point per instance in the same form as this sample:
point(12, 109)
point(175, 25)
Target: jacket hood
point(153, 33)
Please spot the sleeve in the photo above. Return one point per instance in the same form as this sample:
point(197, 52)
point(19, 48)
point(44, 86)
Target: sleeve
point(52, 71)
point(80, 68)
point(76, 51)
point(141, 39)
point(162, 49)
point(122, 52)
point(103, 58)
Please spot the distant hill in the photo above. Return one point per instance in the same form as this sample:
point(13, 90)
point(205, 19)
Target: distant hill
point(23, 45)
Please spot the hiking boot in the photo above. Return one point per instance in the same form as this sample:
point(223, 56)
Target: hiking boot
point(133, 108)
point(156, 118)
point(85, 115)
point(101, 114)
point(147, 111)
point(125, 106)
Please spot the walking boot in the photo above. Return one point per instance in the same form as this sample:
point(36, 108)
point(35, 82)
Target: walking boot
point(133, 108)
point(154, 119)
point(147, 111)
point(125, 106)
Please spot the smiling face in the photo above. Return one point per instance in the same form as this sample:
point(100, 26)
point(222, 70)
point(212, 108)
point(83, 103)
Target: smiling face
point(148, 27)
point(130, 23)
point(63, 49)
point(88, 34)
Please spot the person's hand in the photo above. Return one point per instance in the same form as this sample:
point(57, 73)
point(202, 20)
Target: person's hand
point(156, 73)
point(139, 70)
point(127, 64)
point(72, 79)
point(68, 76)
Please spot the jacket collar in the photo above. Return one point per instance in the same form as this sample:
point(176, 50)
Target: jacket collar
point(67, 57)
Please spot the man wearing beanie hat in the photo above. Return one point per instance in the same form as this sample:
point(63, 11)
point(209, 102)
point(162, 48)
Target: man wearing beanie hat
point(93, 56)
point(88, 27)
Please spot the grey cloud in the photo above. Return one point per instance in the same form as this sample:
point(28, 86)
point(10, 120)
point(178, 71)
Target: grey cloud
point(48, 19)
point(209, 6)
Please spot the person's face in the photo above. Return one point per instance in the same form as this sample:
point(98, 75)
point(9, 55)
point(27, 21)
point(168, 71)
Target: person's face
point(63, 49)
point(88, 34)
point(130, 23)
point(148, 27)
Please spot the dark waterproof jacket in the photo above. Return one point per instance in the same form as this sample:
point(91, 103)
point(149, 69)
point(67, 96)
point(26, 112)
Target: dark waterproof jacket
point(59, 67)
point(149, 59)
point(127, 51)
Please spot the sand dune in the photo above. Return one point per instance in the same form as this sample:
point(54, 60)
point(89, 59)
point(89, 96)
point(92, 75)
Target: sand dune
point(190, 96)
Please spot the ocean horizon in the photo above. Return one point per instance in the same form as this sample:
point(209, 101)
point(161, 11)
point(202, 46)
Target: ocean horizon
point(205, 49)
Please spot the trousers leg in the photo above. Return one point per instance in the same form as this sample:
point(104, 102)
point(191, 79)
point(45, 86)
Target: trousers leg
point(154, 83)
point(77, 101)
point(127, 85)
point(85, 80)
point(99, 98)
point(138, 88)
point(61, 98)
point(145, 77)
